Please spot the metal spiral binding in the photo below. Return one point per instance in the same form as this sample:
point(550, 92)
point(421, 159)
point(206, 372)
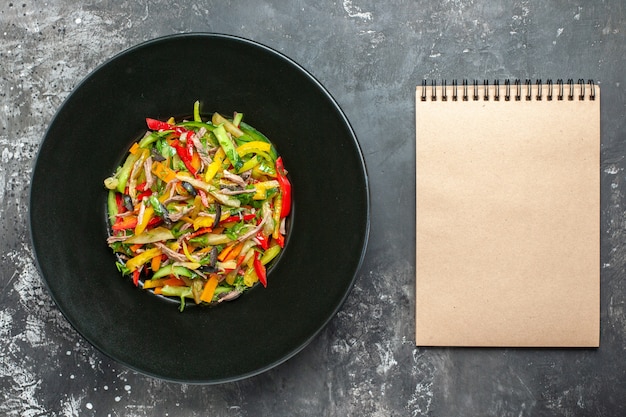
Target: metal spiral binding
point(564, 90)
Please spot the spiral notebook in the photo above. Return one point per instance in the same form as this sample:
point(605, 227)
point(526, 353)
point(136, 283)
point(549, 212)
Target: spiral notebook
point(508, 214)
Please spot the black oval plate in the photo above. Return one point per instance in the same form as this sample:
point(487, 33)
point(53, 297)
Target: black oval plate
point(329, 223)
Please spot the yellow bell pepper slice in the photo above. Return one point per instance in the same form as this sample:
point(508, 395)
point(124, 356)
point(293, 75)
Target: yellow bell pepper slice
point(187, 253)
point(262, 187)
point(134, 263)
point(143, 222)
point(202, 221)
point(215, 166)
point(250, 277)
point(254, 146)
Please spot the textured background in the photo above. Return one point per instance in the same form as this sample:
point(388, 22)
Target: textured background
point(370, 55)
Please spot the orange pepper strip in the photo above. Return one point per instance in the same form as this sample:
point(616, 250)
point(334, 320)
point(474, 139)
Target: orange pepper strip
point(134, 149)
point(209, 289)
point(174, 282)
point(195, 161)
point(224, 253)
point(163, 171)
point(171, 281)
point(234, 252)
point(155, 263)
point(153, 283)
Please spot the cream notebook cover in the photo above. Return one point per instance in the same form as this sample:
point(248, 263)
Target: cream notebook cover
point(508, 214)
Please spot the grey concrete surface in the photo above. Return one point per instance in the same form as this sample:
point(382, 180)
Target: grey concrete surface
point(370, 55)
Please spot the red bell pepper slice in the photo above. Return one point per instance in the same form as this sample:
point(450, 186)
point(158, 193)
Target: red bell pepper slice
point(141, 187)
point(263, 240)
point(280, 240)
point(199, 232)
point(124, 223)
point(259, 268)
point(238, 218)
point(146, 193)
point(136, 277)
point(120, 203)
point(154, 124)
point(185, 156)
point(285, 187)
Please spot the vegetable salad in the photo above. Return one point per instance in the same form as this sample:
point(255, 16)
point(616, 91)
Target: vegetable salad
point(197, 210)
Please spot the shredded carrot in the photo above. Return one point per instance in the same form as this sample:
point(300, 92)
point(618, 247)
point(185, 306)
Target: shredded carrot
point(158, 290)
point(209, 289)
point(134, 248)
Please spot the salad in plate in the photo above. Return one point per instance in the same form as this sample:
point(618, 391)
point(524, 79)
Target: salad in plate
point(198, 209)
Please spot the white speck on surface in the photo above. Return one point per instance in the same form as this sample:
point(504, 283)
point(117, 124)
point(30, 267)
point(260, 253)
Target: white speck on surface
point(375, 38)
point(25, 381)
point(126, 387)
point(424, 369)
point(78, 20)
point(612, 170)
point(35, 331)
point(118, 399)
point(559, 31)
point(387, 360)
point(577, 15)
point(355, 11)
point(71, 406)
